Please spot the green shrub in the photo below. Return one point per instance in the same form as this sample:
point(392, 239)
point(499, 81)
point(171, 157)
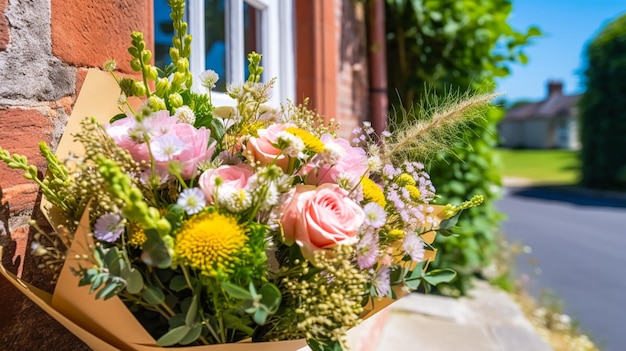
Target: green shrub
point(471, 169)
point(603, 110)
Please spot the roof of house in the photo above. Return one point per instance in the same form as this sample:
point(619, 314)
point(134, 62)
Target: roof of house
point(554, 105)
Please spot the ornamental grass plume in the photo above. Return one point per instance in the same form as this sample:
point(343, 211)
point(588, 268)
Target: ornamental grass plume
point(432, 127)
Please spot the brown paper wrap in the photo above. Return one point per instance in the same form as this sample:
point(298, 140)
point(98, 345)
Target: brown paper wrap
point(109, 325)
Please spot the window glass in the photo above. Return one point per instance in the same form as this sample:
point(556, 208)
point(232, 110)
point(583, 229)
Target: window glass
point(252, 32)
point(215, 40)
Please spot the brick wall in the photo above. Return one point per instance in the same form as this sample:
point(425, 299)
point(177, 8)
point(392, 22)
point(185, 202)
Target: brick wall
point(352, 80)
point(46, 47)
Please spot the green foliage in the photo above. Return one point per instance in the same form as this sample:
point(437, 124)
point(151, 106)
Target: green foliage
point(439, 46)
point(603, 110)
point(461, 43)
point(475, 172)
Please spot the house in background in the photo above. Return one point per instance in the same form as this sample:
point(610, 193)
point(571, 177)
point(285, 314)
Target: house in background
point(548, 124)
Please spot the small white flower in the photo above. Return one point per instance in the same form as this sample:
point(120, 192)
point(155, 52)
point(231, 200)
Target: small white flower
point(234, 200)
point(290, 144)
point(165, 147)
point(414, 246)
point(333, 153)
point(375, 215)
point(209, 78)
point(192, 200)
point(185, 115)
point(374, 163)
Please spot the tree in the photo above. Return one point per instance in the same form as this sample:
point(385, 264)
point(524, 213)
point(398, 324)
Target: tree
point(441, 46)
point(603, 110)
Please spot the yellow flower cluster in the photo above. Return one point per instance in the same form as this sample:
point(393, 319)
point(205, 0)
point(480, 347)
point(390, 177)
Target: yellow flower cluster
point(211, 243)
point(136, 237)
point(372, 192)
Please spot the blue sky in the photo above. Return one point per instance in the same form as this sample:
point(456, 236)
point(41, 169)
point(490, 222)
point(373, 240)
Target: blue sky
point(559, 54)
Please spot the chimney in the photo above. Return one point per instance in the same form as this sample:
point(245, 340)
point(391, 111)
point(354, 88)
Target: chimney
point(555, 87)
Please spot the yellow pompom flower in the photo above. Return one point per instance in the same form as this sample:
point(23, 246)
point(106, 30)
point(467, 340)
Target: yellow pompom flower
point(404, 180)
point(372, 192)
point(414, 192)
point(395, 234)
point(311, 142)
point(211, 243)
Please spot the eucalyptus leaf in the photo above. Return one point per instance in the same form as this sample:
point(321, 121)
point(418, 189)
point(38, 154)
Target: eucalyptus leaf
point(174, 336)
point(270, 297)
point(192, 336)
point(178, 283)
point(260, 315)
point(108, 291)
point(98, 280)
point(134, 282)
point(192, 312)
point(235, 291)
point(153, 295)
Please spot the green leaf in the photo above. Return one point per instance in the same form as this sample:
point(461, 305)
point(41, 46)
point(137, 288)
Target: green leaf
point(192, 336)
point(109, 290)
point(153, 295)
point(192, 312)
point(174, 336)
point(235, 291)
point(117, 117)
point(260, 315)
point(236, 322)
point(270, 297)
point(178, 283)
point(134, 282)
point(444, 275)
point(98, 281)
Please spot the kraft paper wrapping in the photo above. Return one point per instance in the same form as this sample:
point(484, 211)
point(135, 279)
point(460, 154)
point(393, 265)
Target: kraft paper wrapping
point(109, 325)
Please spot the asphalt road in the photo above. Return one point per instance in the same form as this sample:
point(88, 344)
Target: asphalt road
point(578, 247)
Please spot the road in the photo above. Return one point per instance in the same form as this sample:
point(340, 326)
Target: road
point(579, 244)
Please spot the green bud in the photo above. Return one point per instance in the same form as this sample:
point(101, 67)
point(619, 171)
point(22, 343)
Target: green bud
point(135, 64)
point(127, 86)
point(110, 65)
point(178, 79)
point(146, 56)
point(152, 73)
point(156, 103)
point(174, 54)
point(139, 89)
point(182, 65)
point(176, 41)
point(162, 86)
point(175, 100)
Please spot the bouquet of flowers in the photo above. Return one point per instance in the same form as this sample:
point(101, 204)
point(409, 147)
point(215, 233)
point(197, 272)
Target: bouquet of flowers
point(218, 225)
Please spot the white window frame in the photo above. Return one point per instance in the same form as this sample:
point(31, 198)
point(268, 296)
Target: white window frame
point(276, 39)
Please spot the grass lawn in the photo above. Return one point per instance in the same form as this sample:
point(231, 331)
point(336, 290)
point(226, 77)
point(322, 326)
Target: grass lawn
point(541, 166)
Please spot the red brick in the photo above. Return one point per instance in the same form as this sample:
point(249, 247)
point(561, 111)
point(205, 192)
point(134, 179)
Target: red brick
point(5, 34)
point(21, 130)
point(90, 34)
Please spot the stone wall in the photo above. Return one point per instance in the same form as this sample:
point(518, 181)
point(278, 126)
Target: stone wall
point(46, 47)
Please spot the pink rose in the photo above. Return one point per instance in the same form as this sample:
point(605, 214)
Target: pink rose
point(190, 145)
point(347, 161)
point(196, 150)
point(261, 147)
point(234, 176)
point(321, 217)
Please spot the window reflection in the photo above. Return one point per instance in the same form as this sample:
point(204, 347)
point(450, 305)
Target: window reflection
point(215, 39)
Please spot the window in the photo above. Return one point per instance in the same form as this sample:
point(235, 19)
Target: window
point(225, 31)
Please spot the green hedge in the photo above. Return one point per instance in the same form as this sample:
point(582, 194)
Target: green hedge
point(603, 110)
